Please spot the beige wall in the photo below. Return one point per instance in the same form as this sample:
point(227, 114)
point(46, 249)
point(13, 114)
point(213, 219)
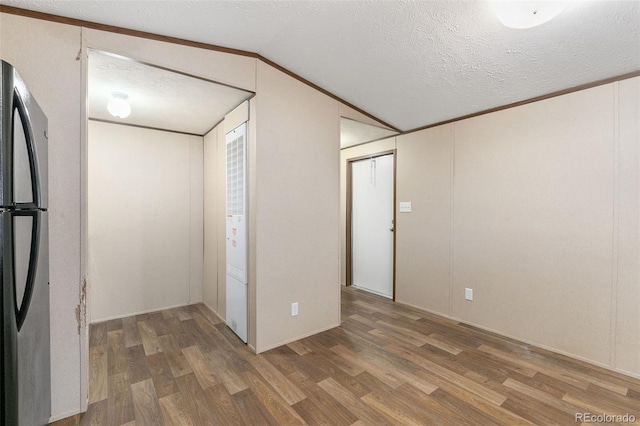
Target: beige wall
point(297, 207)
point(424, 167)
point(145, 220)
point(45, 56)
point(532, 222)
point(625, 313)
point(533, 207)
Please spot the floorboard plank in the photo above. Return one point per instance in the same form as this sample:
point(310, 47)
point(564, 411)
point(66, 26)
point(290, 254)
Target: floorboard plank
point(98, 366)
point(116, 352)
point(96, 415)
point(335, 413)
point(201, 367)
point(224, 405)
point(98, 334)
point(231, 380)
point(131, 334)
point(277, 407)
point(138, 365)
point(252, 410)
point(175, 358)
point(352, 403)
point(194, 401)
point(149, 338)
point(287, 390)
point(174, 411)
point(161, 375)
point(120, 407)
point(145, 403)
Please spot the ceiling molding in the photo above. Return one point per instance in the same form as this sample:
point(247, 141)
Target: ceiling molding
point(119, 123)
point(368, 142)
point(174, 40)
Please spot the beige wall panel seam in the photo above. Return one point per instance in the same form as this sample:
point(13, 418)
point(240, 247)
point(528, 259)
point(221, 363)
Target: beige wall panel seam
point(190, 176)
point(616, 225)
point(210, 220)
point(252, 210)
point(190, 201)
point(452, 216)
point(84, 229)
point(221, 220)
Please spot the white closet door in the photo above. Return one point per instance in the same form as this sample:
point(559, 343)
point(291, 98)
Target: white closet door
point(372, 225)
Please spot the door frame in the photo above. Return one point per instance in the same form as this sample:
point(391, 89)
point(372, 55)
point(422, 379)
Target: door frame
point(349, 245)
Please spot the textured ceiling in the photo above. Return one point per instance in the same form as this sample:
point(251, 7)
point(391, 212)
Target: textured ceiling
point(410, 63)
point(159, 98)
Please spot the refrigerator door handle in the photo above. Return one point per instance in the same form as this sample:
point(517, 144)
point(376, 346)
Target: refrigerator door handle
point(21, 312)
point(23, 113)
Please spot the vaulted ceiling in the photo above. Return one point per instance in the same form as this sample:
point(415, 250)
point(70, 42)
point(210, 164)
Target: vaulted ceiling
point(409, 63)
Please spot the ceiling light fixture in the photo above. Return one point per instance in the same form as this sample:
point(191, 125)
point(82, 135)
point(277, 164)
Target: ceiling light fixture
point(522, 14)
point(118, 105)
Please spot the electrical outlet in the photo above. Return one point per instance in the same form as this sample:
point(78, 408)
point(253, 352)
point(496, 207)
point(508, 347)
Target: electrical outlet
point(294, 309)
point(468, 294)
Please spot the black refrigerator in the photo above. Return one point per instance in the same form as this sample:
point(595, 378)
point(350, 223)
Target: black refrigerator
point(25, 383)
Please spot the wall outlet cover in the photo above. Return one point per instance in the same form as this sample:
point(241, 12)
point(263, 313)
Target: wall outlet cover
point(468, 294)
point(294, 309)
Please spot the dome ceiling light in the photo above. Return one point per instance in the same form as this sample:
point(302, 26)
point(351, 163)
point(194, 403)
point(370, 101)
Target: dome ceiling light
point(118, 105)
point(521, 14)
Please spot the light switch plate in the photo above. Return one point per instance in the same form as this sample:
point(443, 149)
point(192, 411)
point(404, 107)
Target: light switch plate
point(405, 206)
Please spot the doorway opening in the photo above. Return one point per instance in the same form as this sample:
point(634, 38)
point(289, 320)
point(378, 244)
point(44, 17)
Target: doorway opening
point(147, 173)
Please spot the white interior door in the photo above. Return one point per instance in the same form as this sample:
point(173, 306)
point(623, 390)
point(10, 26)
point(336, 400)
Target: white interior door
point(372, 225)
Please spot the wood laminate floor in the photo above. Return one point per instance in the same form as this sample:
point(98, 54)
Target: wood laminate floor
point(387, 364)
